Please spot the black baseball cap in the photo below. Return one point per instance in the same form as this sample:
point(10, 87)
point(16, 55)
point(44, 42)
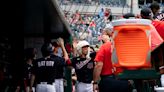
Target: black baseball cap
point(146, 13)
point(128, 15)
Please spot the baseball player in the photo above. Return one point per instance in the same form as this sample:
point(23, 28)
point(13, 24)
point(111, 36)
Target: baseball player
point(44, 70)
point(59, 43)
point(30, 55)
point(84, 66)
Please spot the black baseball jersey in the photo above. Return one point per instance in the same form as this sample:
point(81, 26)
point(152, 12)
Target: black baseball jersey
point(159, 16)
point(84, 69)
point(44, 70)
point(60, 66)
point(27, 73)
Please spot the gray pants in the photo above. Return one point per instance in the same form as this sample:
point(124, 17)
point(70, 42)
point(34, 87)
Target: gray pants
point(84, 87)
point(59, 85)
point(44, 87)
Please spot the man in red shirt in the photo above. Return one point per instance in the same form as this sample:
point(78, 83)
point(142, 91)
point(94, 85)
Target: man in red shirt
point(104, 69)
point(159, 25)
point(157, 29)
point(157, 37)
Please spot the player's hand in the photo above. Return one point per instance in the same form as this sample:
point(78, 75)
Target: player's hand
point(30, 90)
point(17, 89)
point(61, 41)
point(75, 42)
point(161, 71)
point(95, 87)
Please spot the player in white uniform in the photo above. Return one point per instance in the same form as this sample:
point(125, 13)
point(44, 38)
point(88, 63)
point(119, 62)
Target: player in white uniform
point(84, 66)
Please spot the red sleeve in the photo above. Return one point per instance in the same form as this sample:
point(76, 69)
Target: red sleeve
point(156, 39)
point(68, 62)
point(100, 55)
point(159, 27)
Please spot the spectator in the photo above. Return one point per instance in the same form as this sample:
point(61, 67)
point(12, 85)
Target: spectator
point(101, 13)
point(155, 8)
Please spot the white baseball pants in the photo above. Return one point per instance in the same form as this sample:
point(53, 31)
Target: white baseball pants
point(45, 87)
point(84, 87)
point(59, 85)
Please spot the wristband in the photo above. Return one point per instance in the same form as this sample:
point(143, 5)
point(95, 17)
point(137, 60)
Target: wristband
point(161, 67)
point(95, 82)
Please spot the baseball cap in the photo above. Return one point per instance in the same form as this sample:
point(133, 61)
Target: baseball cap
point(145, 13)
point(128, 15)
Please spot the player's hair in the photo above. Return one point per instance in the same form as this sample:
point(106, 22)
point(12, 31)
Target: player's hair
point(154, 5)
point(55, 43)
point(128, 15)
point(91, 47)
point(30, 53)
point(47, 49)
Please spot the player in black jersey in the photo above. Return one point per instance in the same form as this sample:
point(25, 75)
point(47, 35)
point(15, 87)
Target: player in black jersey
point(59, 43)
point(44, 70)
point(24, 82)
point(84, 66)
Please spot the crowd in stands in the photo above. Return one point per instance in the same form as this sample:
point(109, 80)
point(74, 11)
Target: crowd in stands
point(89, 26)
point(112, 3)
point(148, 4)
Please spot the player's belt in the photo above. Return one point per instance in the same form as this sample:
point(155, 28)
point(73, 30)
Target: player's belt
point(46, 83)
point(88, 82)
point(106, 76)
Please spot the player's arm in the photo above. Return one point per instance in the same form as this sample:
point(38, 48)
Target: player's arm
point(99, 64)
point(17, 89)
point(97, 71)
point(156, 39)
point(96, 75)
point(32, 82)
point(98, 67)
point(65, 54)
point(70, 63)
point(74, 77)
point(74, 51)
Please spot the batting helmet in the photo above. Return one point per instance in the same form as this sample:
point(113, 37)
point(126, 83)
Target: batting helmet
point(80, 45)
